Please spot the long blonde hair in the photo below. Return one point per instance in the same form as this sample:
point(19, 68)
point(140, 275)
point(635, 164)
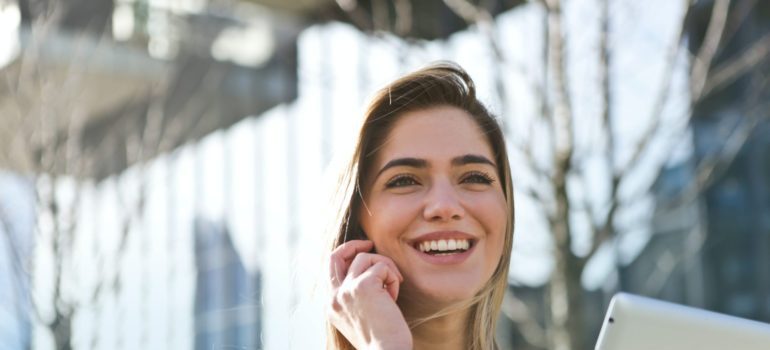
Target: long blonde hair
point(439, 84)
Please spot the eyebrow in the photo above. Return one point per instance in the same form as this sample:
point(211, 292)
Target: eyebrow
point(422, 163)
point(471, 159)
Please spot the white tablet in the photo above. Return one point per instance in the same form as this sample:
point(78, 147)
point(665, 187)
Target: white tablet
point(638, 323)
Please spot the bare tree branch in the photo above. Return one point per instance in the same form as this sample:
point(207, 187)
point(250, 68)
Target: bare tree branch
point(660, 100)
point(50, 120)
point(562, 106)
point(564, 285)
point(723, 74)
point(604, 230)
point(738, 14)
point(518, 312)
point(525, 147)
point(735, 68)
point(702, 60)
point(667, 263)
point(707, 171)
point(714, 165)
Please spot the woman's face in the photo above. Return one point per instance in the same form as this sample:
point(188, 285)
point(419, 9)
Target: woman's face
point(435, 205)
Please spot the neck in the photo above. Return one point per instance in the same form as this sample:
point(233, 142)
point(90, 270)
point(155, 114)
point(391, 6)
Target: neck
point(447, 332)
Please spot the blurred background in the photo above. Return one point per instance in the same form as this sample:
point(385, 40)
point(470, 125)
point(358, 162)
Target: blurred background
point(166, 166)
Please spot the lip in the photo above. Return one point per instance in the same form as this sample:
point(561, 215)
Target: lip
point(434, 236)
point(444, 259)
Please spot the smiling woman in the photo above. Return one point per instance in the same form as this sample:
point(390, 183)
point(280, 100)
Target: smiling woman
point(421, 255)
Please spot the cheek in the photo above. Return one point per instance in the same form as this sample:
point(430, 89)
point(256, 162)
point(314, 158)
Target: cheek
point(491, 213)
point(490, 210)
point(388, 218)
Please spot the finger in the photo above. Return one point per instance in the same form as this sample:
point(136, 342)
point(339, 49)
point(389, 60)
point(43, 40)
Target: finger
point(383, 276)
point(342, 256)
point(364, 261)
point(348, 250)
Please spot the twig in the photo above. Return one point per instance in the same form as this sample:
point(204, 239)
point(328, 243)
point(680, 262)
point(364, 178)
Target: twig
point(667, 262)
point(709, 169)
point(660, 100)
point(518, 312)
point(702, 61)
point(733, 69)
point(604, 231)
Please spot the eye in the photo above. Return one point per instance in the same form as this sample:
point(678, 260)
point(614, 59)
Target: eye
point(401, 181)
point(477, 177)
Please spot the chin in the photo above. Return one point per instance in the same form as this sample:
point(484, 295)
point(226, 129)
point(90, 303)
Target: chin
point(444, 290)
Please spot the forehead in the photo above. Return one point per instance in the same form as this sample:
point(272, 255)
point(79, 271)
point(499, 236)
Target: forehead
point(435, 134)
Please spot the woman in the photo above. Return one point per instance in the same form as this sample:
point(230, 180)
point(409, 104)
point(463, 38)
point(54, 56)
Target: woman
point(421, 254)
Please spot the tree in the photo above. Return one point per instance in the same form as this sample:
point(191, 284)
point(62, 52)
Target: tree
point(78, 106)
point(45, 123)
point(565, 289)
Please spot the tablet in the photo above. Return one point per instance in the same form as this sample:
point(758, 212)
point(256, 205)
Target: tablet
point(638, 323)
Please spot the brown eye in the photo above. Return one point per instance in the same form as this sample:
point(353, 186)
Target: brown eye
point(401, 181)
point(478, 178)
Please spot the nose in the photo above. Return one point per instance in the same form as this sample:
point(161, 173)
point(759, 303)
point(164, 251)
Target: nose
point(443, 203)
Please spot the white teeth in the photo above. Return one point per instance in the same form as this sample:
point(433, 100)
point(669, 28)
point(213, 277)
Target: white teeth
point(444, 245)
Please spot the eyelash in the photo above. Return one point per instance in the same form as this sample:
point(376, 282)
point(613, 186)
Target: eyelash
point(477, 176)
point(481, 178)
point(395, 181)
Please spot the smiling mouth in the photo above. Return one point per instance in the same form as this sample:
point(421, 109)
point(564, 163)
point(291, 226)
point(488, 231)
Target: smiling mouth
point(441, 247)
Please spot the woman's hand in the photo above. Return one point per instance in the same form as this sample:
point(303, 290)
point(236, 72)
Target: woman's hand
point(364, 293)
